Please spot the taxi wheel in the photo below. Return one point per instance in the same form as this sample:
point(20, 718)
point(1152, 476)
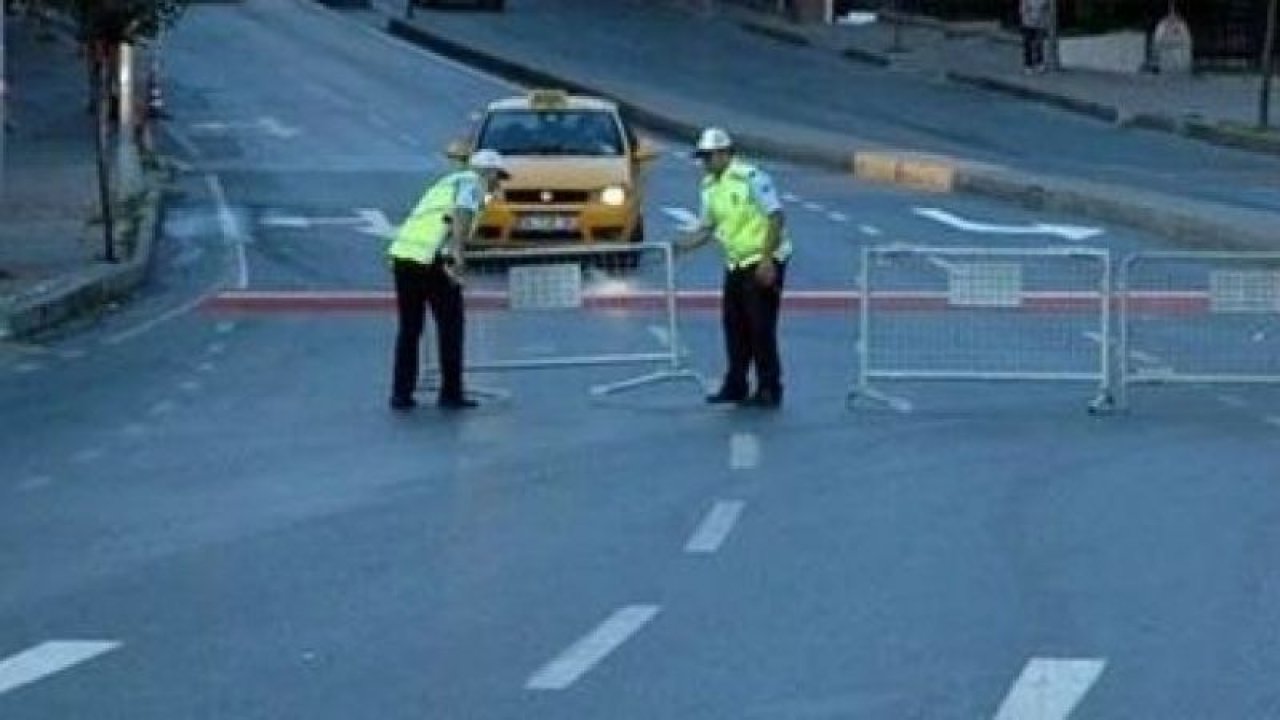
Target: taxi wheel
point(629, 260)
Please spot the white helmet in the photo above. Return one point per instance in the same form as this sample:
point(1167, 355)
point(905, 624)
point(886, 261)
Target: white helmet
point(713, 139)
point(489, 160)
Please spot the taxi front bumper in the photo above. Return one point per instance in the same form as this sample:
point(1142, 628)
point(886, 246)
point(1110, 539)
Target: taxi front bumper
point(507, 225)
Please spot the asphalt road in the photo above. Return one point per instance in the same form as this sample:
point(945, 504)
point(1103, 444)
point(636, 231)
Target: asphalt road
point(208, 513)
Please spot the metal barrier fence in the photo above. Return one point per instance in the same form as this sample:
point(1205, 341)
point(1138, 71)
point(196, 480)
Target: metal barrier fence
point(631, 288)
point(987, 314)
point(1200, 317)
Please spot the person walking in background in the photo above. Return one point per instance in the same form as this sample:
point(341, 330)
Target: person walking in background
point(1034, 16)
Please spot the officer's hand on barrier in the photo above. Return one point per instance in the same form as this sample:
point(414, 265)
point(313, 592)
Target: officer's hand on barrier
point(685, 243)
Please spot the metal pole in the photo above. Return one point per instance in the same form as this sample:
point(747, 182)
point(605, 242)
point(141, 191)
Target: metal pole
point(1268, 66)
point(1051, 61)
point(896, 9)
point(4, 94)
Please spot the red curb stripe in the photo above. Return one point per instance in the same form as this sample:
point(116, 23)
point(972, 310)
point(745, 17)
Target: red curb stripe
point(290, 301)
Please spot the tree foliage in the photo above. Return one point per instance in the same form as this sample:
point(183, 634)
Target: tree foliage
point(113, 22)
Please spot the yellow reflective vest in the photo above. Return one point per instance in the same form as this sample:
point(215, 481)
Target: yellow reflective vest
point(742, 226)
point(427, 227)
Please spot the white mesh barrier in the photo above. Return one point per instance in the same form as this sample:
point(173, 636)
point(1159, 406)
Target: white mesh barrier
point(1200, 317)
point(580, 306)
point(991, 314)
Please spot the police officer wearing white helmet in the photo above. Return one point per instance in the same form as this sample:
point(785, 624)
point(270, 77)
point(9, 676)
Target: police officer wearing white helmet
point(428, 261)
point(741, 209)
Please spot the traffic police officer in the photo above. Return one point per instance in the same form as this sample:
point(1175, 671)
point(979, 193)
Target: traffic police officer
point(427, 260)
point(740, 208)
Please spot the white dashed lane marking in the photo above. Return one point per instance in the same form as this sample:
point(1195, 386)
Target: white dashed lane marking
point(744, 451)
point(1050, 688)
point(715, 527)
point(135, 430)
point(1234, 401)
point(838, 217)
point(870, 230)
point(35, 482)
point(161, 408)
point(47, 659)
point(591, 650)
point(86, 456)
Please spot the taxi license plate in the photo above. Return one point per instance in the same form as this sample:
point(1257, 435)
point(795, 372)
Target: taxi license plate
point(548, 223)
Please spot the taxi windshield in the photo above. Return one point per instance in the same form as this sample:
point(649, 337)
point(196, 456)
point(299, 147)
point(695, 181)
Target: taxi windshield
point(552, 132)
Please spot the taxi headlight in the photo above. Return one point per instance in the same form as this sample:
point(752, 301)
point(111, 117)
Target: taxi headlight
point(613, 195)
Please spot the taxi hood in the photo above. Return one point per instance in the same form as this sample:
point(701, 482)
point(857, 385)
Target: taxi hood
point(530, 172)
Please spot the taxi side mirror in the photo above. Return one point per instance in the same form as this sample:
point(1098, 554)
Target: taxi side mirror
point(458, 150)
point(645, 151)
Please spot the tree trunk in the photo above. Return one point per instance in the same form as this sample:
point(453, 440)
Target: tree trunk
point(100, 69)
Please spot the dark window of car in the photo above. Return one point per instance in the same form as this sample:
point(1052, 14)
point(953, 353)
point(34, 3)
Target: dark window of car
point(552, 132)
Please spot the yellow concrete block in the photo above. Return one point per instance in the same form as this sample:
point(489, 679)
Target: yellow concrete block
point(876, 167)
point(924, 174)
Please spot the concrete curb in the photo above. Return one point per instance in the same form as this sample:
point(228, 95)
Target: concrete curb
point(869, 57)
point(773, 32)
point(63, 300)
point(1174, 218)
point(1099, 111)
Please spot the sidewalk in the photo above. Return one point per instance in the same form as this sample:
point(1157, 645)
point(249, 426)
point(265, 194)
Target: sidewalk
point(792, 93)
point(1220, 108)
point(51, 248)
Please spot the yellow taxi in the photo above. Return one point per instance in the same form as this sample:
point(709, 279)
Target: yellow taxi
point(576, 172)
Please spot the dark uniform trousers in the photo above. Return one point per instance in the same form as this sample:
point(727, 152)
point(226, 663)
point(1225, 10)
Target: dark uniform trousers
point(419, 285)
point(750, 318)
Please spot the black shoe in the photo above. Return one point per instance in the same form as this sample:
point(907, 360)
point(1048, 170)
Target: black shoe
point(403, 404)
point(727, 397)
point(766, 398)
point(457, 403)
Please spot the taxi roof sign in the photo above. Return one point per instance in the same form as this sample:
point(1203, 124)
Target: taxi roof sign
point(545, 98)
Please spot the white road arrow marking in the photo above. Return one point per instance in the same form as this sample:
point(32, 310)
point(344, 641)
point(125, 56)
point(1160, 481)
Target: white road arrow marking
point(1074, 233)
point(375, 223)
point(368, 221)
point(265, 124)
point(684, 219)
point(275, 128)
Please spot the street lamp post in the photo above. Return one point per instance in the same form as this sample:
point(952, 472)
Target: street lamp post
point(1268, 66)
